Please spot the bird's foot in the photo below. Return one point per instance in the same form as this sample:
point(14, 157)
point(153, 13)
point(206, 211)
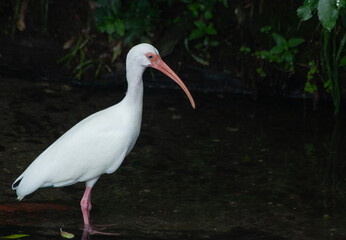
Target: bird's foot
point(97, 230)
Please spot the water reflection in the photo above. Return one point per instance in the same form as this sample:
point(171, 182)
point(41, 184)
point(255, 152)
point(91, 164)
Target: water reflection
point(100, 230)
point(86, 235)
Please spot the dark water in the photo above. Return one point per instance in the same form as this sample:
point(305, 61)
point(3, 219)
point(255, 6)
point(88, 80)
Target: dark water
point(233, 168)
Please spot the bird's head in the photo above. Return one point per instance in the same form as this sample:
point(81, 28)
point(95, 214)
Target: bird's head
point(142, 54)
point(146, 55)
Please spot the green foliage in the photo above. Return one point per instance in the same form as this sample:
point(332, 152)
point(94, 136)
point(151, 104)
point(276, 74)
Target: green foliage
point(313, 70)
point(329, 12)
point(123, 22)
point(266, 29)
point(309, 86)
point(126, 20)
point(107, 17)
point(328, 86)
point(203, 34)
point(202, 30)
point(78, 53)
point(245, 50)
point(260, 72)
point(283, 52)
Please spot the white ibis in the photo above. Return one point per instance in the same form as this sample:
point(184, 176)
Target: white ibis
point(99, 143)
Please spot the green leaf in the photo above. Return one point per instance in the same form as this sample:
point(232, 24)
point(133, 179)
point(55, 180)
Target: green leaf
point(120, 26)
point(110, 28)
point(277, 49)
point(264, 54)
point(328, 86)
point(310, 88)
point(327, 13)
point(208, 15)
point(313, 4)
point(66, 234)
point(194, 9)
point(176, 19)
point(15, 236)
point(313, 70)
point(342, 61)
point(245, 49)
point(266, 29)
point(210, 29)
point(261, 73)
point(280, 40)
point(196, 33)
point(293, 42)
point(287, 57)
point(304, 12)
point(200, 25)
point(341, 4)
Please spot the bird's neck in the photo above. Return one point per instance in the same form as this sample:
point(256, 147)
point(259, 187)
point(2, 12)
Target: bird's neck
point(134, 92)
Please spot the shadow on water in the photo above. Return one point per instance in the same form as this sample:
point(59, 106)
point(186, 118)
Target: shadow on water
point(232, 169)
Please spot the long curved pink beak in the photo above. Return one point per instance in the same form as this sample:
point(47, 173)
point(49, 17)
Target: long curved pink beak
point(160, 65)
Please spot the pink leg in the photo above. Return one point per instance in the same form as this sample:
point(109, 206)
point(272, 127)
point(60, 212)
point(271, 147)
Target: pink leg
point(85, 205)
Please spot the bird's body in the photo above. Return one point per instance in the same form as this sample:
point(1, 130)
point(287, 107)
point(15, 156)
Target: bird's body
point(96, 145)
point(99, 143)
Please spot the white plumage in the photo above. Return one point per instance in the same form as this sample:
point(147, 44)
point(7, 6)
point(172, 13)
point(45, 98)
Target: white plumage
point(99, 143)
point(94, 146)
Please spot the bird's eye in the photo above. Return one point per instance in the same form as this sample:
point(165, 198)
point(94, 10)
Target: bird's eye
point(150, 56)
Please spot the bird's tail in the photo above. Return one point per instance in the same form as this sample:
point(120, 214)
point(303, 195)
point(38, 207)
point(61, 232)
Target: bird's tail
point(29, 181)
point(16, 184)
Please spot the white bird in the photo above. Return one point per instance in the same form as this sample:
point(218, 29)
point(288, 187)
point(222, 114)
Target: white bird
point(99, 143)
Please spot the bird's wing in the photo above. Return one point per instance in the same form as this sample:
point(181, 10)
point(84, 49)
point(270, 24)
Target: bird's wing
point(84, 152)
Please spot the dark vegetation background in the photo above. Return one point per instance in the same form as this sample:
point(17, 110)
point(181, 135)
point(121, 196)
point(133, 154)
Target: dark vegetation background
point(252, 47)
point(252, 167)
